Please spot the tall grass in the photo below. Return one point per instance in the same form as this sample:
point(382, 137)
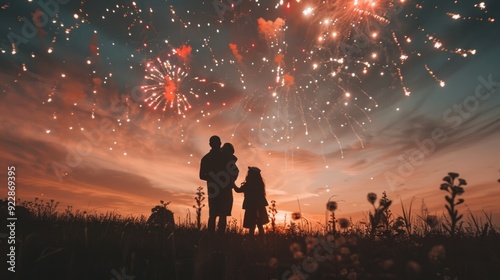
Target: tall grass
point(81, 245)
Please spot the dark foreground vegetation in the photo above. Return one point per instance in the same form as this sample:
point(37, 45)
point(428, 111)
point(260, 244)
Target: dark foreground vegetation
point(78, 245)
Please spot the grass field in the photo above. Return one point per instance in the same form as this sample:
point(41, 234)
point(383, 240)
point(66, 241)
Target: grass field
point(69, 244)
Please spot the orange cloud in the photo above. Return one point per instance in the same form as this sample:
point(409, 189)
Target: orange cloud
point(234, 49)
point(72, 93)
point(289, 81)
point(269, 28)
point(279, 59)
point(184, 52)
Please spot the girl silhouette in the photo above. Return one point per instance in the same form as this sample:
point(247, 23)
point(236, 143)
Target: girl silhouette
point(255, 201)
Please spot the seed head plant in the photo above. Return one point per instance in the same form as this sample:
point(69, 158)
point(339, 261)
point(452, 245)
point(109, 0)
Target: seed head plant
point(381, 213)
point(331, 206)
point(344, 224)
point(296, 216)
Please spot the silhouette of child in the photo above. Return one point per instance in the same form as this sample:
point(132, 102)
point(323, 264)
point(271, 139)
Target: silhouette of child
point(255, 201)
point(228, 152)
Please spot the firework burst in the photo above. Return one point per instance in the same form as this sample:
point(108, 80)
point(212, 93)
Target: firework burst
point(167, 84)
point(297, 98)
point(352, 38)
point(302, 67)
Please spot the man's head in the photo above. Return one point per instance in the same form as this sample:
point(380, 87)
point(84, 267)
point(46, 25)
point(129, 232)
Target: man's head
point(215, 142)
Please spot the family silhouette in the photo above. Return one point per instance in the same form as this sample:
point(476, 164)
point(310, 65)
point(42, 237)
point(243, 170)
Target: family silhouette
point(218, 168)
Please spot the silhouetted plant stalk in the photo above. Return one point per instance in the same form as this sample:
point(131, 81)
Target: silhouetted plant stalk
point(428, 224)
point(407, 217)
point(199, 198)
point(380, 214)
point(330, 221)
point(454, 190)
point(272, 214)
point(387, 217)
point(331, 206)
point(308, 224)
point(188, 218)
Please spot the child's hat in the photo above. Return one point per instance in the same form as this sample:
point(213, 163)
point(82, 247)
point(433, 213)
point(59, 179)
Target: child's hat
point(254, 169)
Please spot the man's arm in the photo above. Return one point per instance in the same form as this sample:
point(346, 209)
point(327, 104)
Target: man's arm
point(203, 170)
point(237, 171)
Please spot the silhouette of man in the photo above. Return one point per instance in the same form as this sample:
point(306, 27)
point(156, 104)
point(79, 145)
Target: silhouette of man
point(216, 170)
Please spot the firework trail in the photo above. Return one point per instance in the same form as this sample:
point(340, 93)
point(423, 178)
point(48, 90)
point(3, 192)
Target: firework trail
point(303, 71)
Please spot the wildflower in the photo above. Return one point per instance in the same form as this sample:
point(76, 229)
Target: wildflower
point(330, 238)
point(372, 197)
point(343, 271)
point(387, 264)
point(447, 179)
point(355, 257)
point(298, 255)
point(311, 240)
point(444, 187)
point(432, 220)
point(345, 251)
point(331, 206)
point(386, 203)
point(458, 190)
point(398, 224)
point(296, 216)
point(310, 264)
point(437, 254)
point(295, 276)
point(452, 203)
point(352, 275)
point(273, 262)
point(413, 268)
point(295, 247)
point(340, 241)
point(344, 223)
point(352, 241)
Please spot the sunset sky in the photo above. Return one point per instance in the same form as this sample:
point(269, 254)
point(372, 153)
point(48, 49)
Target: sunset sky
point(74, 128)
